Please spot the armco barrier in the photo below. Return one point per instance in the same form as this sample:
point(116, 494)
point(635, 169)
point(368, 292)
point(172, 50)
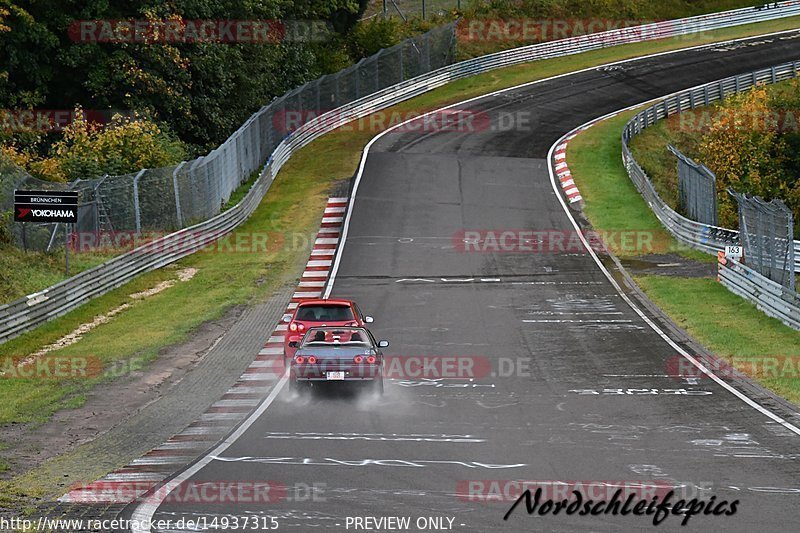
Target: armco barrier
point(770, 297)
point(28, 312)
point(709, 239)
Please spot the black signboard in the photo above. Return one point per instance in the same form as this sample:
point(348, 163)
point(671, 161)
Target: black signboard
point(46, 206)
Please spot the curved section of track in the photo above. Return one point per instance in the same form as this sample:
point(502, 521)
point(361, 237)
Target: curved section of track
point(577, 386)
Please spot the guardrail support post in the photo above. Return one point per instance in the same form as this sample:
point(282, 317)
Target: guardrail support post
point(136, 211)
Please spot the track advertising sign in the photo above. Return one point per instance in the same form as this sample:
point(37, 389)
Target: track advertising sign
point(46, 206)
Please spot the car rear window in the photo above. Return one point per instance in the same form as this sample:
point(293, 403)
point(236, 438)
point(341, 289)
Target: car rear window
point(337, 338)
point(324, 313)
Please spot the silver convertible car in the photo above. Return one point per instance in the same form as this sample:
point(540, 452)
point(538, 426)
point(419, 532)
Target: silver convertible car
point(328, 354)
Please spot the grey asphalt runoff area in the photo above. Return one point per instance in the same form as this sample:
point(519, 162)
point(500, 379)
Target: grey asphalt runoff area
point(573, 386)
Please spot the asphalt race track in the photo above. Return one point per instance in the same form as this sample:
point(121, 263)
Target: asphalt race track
point(572, 385)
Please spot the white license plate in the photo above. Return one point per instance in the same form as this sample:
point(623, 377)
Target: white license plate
point(335, 376)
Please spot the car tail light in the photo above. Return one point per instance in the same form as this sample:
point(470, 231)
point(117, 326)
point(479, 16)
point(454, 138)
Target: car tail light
point(312, 360)
point(299, 359)
point(358, 359)
point(296, 326)
point(371, 359)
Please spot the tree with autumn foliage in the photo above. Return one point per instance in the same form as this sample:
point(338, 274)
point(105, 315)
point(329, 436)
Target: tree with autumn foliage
point(749, 153)
point(203, 90)
point(87, 149)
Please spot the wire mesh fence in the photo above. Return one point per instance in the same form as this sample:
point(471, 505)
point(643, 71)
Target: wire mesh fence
point(766, 232)
point(415, 8)
point(170, 198)
point(697, 189)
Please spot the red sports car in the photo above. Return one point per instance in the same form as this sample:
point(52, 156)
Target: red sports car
point(313, 313)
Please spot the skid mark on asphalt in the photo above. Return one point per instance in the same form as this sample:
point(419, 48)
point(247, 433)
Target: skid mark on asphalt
point(130, 482)
point(580, 313)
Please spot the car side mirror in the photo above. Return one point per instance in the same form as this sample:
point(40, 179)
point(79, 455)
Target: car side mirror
point(287, 319)
point(383, 344)
point(368, 319)
point(293, 344)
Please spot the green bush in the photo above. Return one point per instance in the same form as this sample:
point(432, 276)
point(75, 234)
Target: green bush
point(369, 37)
point(126, 145)
point(6, 237)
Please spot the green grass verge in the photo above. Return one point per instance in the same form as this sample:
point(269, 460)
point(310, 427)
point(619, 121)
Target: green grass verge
point(24, 273)
point(293, 206)
point(612, 202)
point(730, 326)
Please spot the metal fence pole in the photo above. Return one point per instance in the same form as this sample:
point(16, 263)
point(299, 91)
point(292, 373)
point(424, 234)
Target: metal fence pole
point(376, 59)
point(178, 211)
point(136, 211)
point(402, 74)
point(790, 252)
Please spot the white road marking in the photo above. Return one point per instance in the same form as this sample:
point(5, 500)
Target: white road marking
point(567, 320)
point(329, 461)
point(134, 476)
point(388, 437)
point(305, 284)
point(162, 460)
point(314, 294)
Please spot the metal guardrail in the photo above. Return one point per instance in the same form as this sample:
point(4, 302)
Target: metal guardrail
point(770, 297)
point(704, 237)
point(28, 312)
